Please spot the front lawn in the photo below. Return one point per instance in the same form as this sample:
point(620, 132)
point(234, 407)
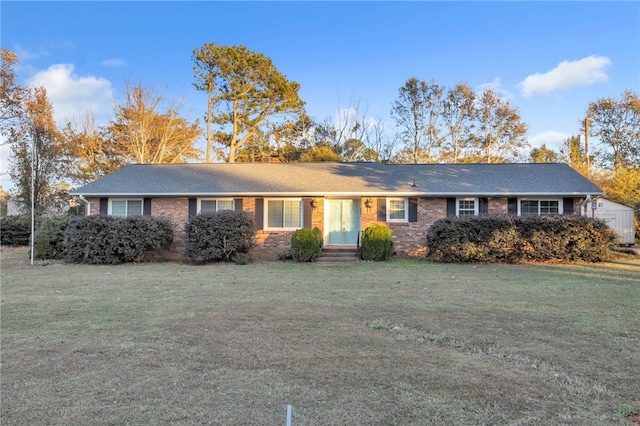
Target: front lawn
point(395, 343)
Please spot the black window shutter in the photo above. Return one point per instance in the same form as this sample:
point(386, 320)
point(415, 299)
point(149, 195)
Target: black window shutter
point(413, 209)
point(146, 207)
point(306, 211)
point(567, 206)
point(483, 206)
point(382, 209)
point(451, 207)
point(238, 204)
point(104, 206)
point(512, 206)
point(260, 213)
point(193, 206)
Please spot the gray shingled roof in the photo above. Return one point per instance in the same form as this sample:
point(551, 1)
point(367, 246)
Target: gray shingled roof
point(341, 179)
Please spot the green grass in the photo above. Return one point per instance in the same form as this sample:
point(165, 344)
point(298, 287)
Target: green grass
point(401, 342)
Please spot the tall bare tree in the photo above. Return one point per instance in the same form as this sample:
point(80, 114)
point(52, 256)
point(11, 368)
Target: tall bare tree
point(143, 134)
point(501, 134)
point(90, 155)
point(245, 91)
point(616, 122)
point(416, 112)
point(459, 115)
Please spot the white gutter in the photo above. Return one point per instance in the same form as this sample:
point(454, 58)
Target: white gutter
point(88, 204)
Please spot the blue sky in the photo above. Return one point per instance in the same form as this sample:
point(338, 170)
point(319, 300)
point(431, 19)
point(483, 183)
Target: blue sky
point(549, 59)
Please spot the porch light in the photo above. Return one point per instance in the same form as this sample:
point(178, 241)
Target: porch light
point(313, 204)
point(367, 204)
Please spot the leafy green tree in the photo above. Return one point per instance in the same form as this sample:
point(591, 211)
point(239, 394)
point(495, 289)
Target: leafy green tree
point(616, 122)
point(416, 112)
point(244, 91)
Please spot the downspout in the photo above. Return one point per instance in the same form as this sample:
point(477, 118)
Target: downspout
point(88, 204)
point(583, 204)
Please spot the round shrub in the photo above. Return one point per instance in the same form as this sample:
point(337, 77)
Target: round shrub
point(49, 238)
point(377, 243)
point(219, 236)
point(306, 245)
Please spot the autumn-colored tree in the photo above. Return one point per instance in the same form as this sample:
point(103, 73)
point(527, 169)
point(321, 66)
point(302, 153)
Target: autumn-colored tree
point(320, 153)
point(245, 91)
point(616, 123)
point(544, 155)
point(36, 146)
point(89, 154)
point(12, 95)
point(500, 135)
point(142, 134)
point(416, 112)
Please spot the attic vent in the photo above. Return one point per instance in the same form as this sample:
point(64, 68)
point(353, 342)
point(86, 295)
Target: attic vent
point(414, 184)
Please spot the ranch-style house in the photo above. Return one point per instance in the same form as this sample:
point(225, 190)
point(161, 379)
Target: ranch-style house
point(340, 199)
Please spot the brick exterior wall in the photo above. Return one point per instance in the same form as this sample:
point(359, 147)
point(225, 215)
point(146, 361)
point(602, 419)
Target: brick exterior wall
point(409, 237)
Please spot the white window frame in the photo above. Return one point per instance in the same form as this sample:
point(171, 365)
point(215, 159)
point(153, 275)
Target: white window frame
point(476, 206)
point(200, 200)
point(539, 200)
point(127, 200)
point(282, 228)
point(406, 210)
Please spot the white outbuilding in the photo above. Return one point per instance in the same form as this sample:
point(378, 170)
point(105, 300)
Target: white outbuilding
point(618, 216)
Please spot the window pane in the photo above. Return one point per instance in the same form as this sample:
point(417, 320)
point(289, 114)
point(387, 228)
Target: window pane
point(291, 214)
point(529, 208)
point(397, 210)
point(207, 206)
point(466, 207)
point(549, 207)
point(225, 205)
point(275, 214)
point(118, 207)
point(134, 207)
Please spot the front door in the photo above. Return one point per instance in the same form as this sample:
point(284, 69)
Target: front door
point(343, 222)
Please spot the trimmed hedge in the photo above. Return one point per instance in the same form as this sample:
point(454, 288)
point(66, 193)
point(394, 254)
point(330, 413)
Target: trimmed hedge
point(15, 230)
point(306, 245)
point(377, 243)
point(49, 238)
point(226, 235)
point(112, 240)
point(519, 239)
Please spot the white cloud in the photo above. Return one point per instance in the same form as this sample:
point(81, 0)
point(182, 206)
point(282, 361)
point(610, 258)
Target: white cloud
point(72, 95)
point(553, 140)
point(496, 87)
point(113, 62)
point(568, 74)
point(5, 156)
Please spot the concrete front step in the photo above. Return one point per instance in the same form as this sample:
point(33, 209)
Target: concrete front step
point(339, 254)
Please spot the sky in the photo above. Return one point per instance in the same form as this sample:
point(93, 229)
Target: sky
point(548, 59)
